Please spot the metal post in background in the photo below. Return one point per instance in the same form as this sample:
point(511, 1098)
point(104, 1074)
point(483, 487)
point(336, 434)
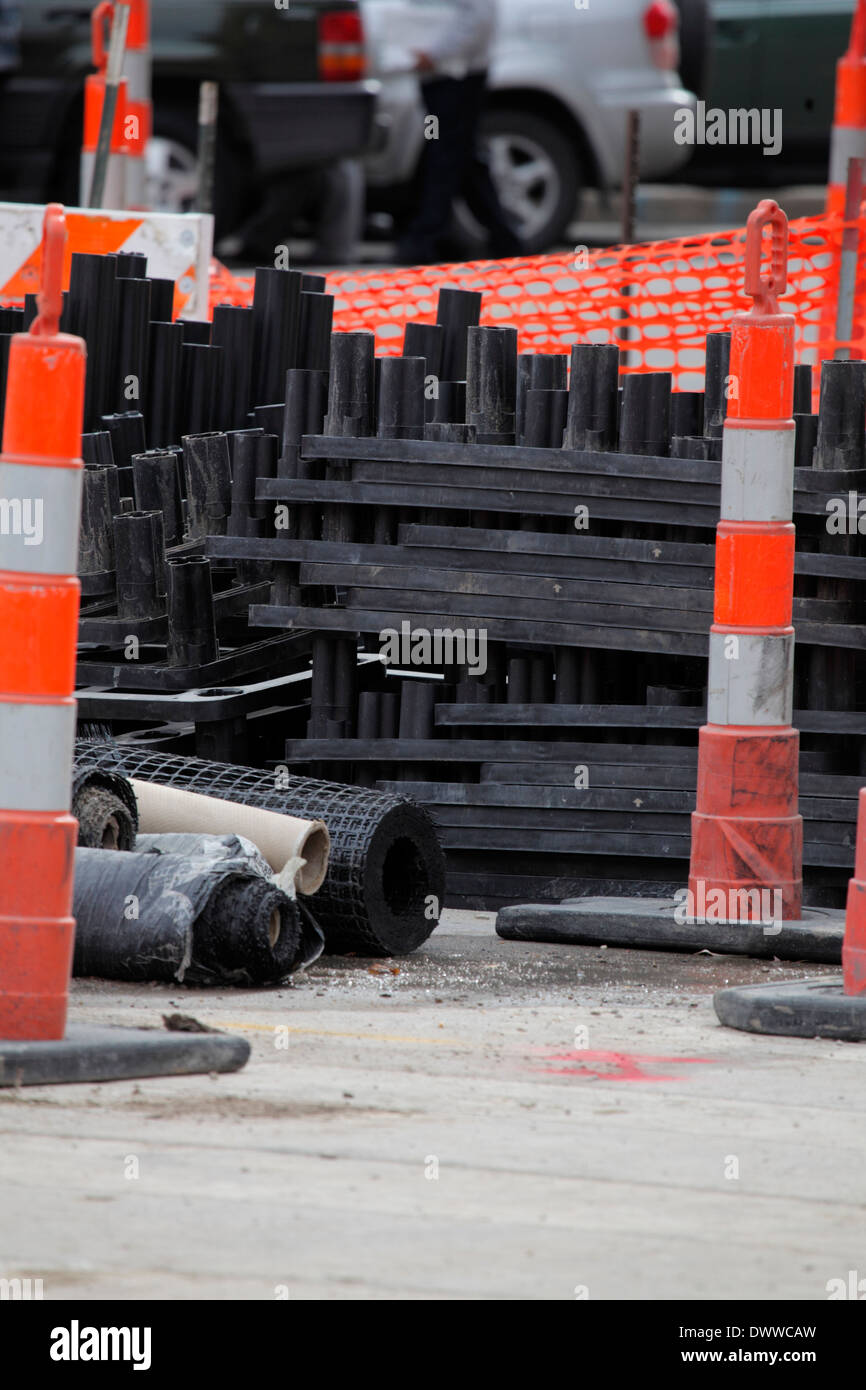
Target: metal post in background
point(208, 110)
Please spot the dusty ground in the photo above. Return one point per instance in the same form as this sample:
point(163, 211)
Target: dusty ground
point(497, 1120)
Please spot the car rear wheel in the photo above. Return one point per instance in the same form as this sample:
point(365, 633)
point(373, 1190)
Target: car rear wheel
point(172, 170)
point(537, 173)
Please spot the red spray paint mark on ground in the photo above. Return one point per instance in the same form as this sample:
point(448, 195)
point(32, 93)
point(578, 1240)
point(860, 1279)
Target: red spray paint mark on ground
point(617, 1066)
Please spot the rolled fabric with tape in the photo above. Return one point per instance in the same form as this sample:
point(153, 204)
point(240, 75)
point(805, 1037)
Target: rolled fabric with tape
point(297, 850)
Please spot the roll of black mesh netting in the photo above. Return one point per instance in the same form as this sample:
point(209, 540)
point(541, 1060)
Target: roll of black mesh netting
point(104, 805)
point(386, 879)
point(201, 920)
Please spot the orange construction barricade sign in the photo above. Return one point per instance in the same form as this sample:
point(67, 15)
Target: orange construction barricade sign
point(178, 247)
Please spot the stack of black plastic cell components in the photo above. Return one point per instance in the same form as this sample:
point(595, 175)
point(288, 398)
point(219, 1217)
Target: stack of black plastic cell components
point(529, 537)
point(174, 442)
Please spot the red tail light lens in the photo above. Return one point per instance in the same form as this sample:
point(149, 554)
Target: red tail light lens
point(660, 19)
point(661, 22)
point(341, 46)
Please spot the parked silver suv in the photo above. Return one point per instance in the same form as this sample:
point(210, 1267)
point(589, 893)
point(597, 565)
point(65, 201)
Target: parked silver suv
point(563, 78)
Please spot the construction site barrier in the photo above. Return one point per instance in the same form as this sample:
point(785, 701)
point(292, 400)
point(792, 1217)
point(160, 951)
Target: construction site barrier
point(177, 246)
point(854, 945)
point(656, 301)
point(139, 105)
point(116, 190)
point(40, 487)
point(848, 138)
point(746, 833)
point(826, 1007)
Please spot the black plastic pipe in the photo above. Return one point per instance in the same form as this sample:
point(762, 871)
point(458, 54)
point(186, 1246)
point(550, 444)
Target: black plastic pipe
point(163, 384)
point(457, 312)
point(192, 639)
point(139, 551)
point(157, 488)
point(233, 332)
point(593, 396)
point(208, 483)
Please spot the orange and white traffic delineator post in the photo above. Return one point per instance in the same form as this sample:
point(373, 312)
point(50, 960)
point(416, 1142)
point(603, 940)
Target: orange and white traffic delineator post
point(828, 1007)
point(40, 503)
point(40, 497)
point(744, 893)
point(117, 177)
point(747, 836)
point(848, 138)
point(854, 949)
point(138, 124)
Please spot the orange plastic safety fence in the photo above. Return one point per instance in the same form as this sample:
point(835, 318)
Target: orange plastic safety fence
point(657, 300)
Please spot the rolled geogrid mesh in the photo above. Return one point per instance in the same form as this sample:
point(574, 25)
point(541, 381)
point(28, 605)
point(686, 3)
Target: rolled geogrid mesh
point(104, 805)
point(198, 919)
point(385, 885)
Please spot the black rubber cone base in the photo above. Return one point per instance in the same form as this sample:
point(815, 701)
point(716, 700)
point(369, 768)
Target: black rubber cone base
point(801, 1009)
point(118, 1054)
point(649, 924)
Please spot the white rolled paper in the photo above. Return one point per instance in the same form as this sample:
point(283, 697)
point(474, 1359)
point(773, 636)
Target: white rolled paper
point(297, 850)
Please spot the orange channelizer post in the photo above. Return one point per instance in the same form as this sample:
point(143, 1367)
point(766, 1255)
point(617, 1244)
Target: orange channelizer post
point(746, 833)
point(139, 107)
point(40, 483)
point(854, 945)
point(848, 139)
point(122, 147)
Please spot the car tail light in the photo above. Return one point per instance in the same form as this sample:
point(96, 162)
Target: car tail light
point(341, 46)
point(661, 22)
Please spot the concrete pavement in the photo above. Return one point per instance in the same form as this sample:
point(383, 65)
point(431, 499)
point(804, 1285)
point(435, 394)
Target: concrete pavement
point(486, 1119)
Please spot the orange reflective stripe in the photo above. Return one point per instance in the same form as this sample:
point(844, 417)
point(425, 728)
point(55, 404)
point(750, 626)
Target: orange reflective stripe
point(39, 623)
point(94, 96)
point(762, 366)
point(754, 574)
point(45, 397)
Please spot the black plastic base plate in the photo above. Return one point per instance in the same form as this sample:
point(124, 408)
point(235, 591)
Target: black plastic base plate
point(648, 924)
point(801, 1009)
point(118, 1054)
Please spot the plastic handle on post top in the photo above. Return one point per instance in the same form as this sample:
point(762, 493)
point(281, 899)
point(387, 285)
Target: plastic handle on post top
point(49, 301)
point(99, 21)
point(765, 289)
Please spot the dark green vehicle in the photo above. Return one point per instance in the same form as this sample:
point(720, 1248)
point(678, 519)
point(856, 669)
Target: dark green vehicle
point(292, 97)
point(774, 55)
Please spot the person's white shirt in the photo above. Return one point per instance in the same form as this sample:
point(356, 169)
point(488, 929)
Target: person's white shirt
point(464, 43)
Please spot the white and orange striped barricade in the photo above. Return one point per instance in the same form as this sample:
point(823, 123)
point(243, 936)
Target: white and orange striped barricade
point(178, 247)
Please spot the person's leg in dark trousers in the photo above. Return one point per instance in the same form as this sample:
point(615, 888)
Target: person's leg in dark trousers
point(444, 163)
point(477, 187)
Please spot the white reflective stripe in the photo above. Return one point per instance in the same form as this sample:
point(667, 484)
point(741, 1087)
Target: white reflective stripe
point(136, 70)
point(757, 474)
point(40, 515)
point(751, 678)
point(136, 181)
point(846, 142)
point(114, 195)
point(37, 744)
